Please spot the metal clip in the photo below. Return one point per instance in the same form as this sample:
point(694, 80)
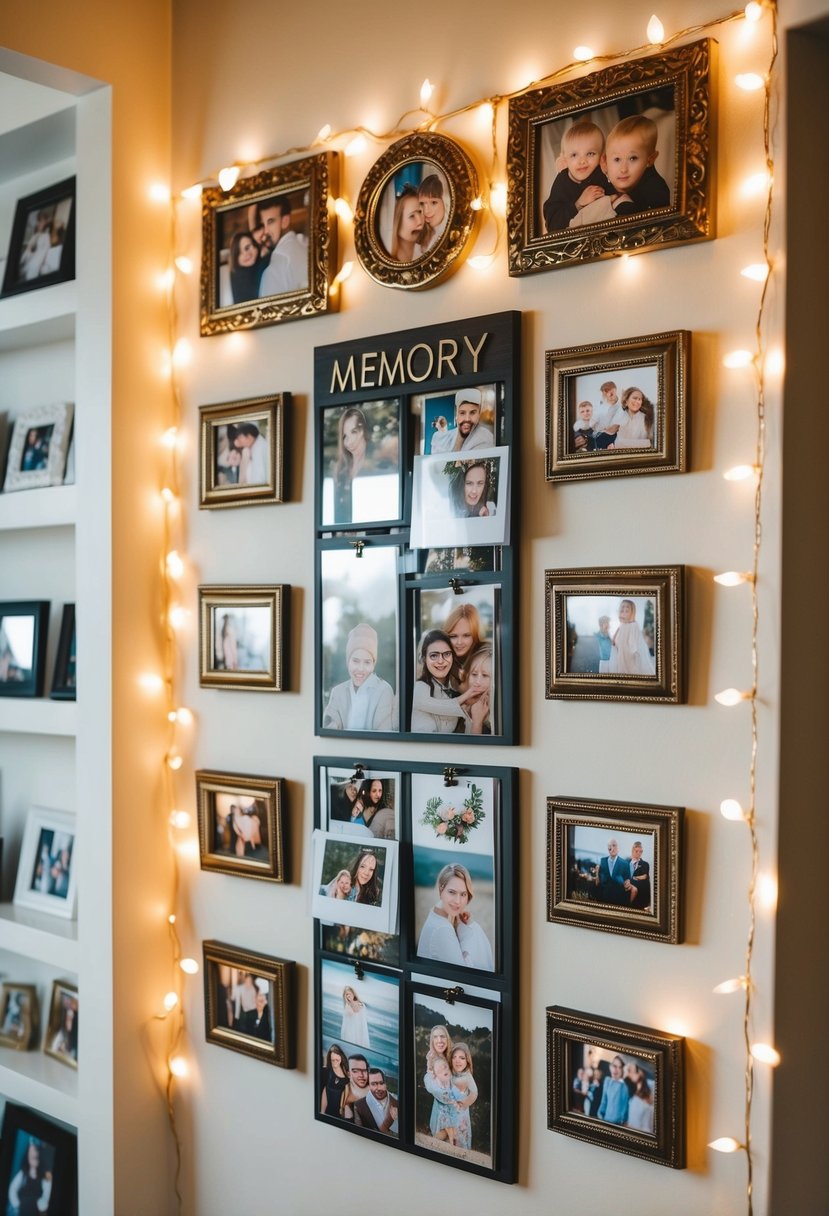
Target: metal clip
point(357, 546)
point(359, 773)
point(450, 995)
point(359, 974)
point(450, 776)
point(456, 585)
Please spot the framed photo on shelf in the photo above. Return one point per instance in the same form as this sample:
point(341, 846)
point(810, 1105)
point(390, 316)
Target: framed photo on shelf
point(242, 636)
point(64, 681)
point(616, 634)
point(415, 214)
point(42, 245)
point(23, 629)
point(241, 825)
point(61, 1040)
point(616, 1085)
point(615, 866)
point(242, 452)
point(269, 247)
point(34, 1148)
point(38, 447)
point(618, 408)
point(249, 1003)
point(613, 162)
point(46, 872)
point(19, 1015)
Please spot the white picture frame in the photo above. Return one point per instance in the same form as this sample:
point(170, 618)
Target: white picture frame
point(39, 447)
point(48, 837)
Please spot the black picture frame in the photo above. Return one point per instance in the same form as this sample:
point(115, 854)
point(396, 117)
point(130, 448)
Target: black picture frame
point(388, 394)
point(57, 1147)
point(23, 658)
point(388, 973)
point(31, 264)
point(64, 681)
point(659, 1058)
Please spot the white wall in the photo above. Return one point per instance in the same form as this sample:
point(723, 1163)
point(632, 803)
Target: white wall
point(249, 87)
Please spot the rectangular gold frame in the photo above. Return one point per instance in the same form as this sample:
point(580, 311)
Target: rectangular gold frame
point(212, 495)
point(280, 972)
point(29, 1018)
point(691, 72)
point(264, 789)
point(277, 599)
point(666, 584)
point(53, 1027)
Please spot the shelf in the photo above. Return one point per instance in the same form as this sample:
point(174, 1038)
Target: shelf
point(35, 317)
point(33, 1078)
point(37, 716)
point(49, 939)
point(50, 507)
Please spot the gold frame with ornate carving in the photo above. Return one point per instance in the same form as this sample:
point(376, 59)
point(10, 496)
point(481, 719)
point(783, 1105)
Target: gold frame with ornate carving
point(214, 672)
point(687, 75)
point(267, 795)
point(267, 415)
point(279, 973)
point(309, 185)
point(407, 158)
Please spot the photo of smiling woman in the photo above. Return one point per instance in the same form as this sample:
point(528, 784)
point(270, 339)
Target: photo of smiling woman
point(360, 463)
point(450, 935)
point(470, 492)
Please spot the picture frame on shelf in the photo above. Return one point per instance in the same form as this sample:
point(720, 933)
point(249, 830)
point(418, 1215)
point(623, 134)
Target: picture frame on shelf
point(23, 633)
point(19, 1015)
point(616, 1085)
point(616, 866)
point(33, 1144)
point(61, 1038)
point(616, 634)
point(618, 408)
point(243, 637)
point(269, 247)
point(38, 447)
point(249, 1003)
point(241, 825)
point(46, 872)
point(64, 681)
point(242, 452)
point(42, 244)
point(562, 211)
point(415, 213)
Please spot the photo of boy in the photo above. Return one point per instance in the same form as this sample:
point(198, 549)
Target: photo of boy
point(583, 433)
point(581, 179)
point(364, 701)
point(628, 162)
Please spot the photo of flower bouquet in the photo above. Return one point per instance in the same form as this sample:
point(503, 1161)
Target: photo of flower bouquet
point(455, 822)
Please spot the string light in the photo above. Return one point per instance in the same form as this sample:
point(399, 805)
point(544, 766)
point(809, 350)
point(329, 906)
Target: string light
point(477, 203)
point(730, 808)
point(731, 696)
point(738, 358)
point(192, 192)
point(655, 31)
point(170, 437)
point(159, 193)
point(182, 353)
point(426, 91)
point(182, 715)
point(150, 681)
point(174, 761)
point(184, 264)
point(178, 618)
point(740, 472)
point(733, 578)
point(727, 987)
point(765, 1053)
point(180, 820)
point(498, 197)
point(324, 134)
point(178, 1066)
point(228, 177)
point(357, 145)
point(753, 11)
point(170, 1001)
point(757, 271)
point(767, 891)
point(725, 1144)
point(343, 210)
point(582, 53)
point(174, 563)
point(749, 81)
point(189, 966)
point(481, 261)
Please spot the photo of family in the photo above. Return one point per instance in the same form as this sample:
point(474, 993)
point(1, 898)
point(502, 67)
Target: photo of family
point(39, 241)
point(363, 805)
point(613, 1086)
point(413, 211)
point(17, 642)
point(244, 1002)
point(52, 870)
point(457, 662)
point(453, 846)
point(614, 413)
point(360, 473)
point(461, 501)
point(242, 451)
point(263, 248)
point(240, 824)
point(463, 420)
point(241, 638)
point(359, 662)
point(354, 882)
point(612, 867)
point(453, 1078)
point(612, 636)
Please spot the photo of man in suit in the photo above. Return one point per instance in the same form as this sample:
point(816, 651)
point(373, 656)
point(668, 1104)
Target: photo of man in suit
point(614, 873)
point(638, 886)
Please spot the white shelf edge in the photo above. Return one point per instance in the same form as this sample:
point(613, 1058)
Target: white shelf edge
point(38, 716)
point(50, 507)
point(35, 1080)
point(37, 935)
point(33, 317)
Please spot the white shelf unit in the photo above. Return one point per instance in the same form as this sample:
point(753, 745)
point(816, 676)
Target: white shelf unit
point(55, 544)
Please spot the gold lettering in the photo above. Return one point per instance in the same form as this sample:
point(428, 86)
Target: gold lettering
point(475, 350)
point(337, 375)
point(395, 369)
point(410, 362)
point(450, 358)
point(367, 369)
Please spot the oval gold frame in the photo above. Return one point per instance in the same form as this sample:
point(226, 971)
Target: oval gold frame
point(431, 268)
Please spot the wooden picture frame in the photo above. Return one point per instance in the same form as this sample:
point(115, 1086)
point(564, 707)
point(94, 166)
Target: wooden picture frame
point(61, 1038)
point(242, 637)
point(637, 653)
point(616, 866)
point(265, 1030)
point(664, 105)
point(288, 206)
point(64, 681)
point(242, 452)
point(42, 244)
point(38, 447)
point(19, 1015)
point(241, 822)
point(23, 630)
point(638, 1107)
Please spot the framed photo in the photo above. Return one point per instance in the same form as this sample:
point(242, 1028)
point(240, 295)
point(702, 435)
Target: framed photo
point(414, 217)
point(64, 682)
point(616, 1085)
point(19, 1016)
point(360, 803)
point(461, 500)
point(46, 872)
point(361, 479)
point(38, 1159)
point(42, 246)
point(618, 408)
point(269, 247)
point(355, 881)
point(38, 447)
point(615, 866)
point(249, 1003)
point(616, 161)
point(241, 825)
point(616, 634)
point(23, 628)
point(242, 637)
point(61, 1041)
point(242, 452)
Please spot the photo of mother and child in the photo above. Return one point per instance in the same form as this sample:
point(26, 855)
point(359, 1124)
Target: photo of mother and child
point(623, 644)
point(453, 1100)
point(454, 688)
point(414, 212)
point(613, 422)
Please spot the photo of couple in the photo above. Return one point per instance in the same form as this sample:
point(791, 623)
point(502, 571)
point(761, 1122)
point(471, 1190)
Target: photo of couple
point(361, 463)
point(414, 210)
point(240, 826)
point(610, 636)
point(242, 452)
point(53, 863)
point(614, 414)
point(244, 1002)
point(263, 248)
point(613, 1087)
point(611, 867)
point(241, 639)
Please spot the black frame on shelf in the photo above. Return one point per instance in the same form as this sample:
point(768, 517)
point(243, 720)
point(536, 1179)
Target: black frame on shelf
point(30, 685)
point(362, 954)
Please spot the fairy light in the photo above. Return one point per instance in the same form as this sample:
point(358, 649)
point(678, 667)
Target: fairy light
point(182, 353)
point(159, 193)
point(755, 184)
point(481, 261)
point(750, 82)
point(174, 564)
point(324, 134)
point(356, 146)
point(731, 809)
point(192, 192)
point(753, 11)
point(178, 616)
point(765, 1053)
point(179, 820)
point(182, 715)
point(170, 437)
point(174, 761)
point(740, 472)
point(168, 495)
point(189, 966)
point(732, 696)
point(729, 987)
point(725, 1144)
point(758, 272)
point(183, 264)
point(767, 891)
point(738, 358)
point(426, 91)
point(178, 1066)
point(170, 1001)
point(582, 53)
point(343, 210)
point(477, 203)
point(655, 31)
point(733, 578)
point(150, 681)
point(228, 177)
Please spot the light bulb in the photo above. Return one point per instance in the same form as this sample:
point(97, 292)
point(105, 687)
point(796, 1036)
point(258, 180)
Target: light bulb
point(738, 358)
point(159, 193)
point(656, 30)
point(756, 183)
point(182, 353)
point(485, 112)
point(477, 203)
point(480, 261)
point(189, 966)
point(167, 495)
point(228, 177)
point(323, 134)
point(343, 210)
point(765, 1053)
point(498, 197)
point(757, 271)
point(178, 1066)
point(170, 437)
point(171, 919)
point(729, 986)
point(357, 145)
point(749, 81)
point(775, 362)
point(174, 761)
point(170, 1001)
point(150, 681)
point(184, 264)
point(767, 891)
point(740, 472)
point(731, 696)
point(193, 191)
point(178, 616)
point(166, 279)
point(345, 272)
point(582, 53)
point(182, 715)
point(753, 11)
point(725, 1144)
point(731, 809)
point(426, 91)
point(733, 578)
point(179, 819)
point(175, 566)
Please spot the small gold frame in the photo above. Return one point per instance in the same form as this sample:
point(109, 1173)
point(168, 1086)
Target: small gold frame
point(218, 669)
point(264, 413)
point(280, 1049)
point(20, 1031)
point(223, 860)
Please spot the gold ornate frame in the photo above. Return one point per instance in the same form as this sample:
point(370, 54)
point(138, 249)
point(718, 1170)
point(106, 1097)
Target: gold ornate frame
point(211, 494)
point(59, 989)
point(690, 72)
point(265, 789)
point(280, 974)
point(276, 599)
point(317, 179)
point(29, 1017)
point(435, 265)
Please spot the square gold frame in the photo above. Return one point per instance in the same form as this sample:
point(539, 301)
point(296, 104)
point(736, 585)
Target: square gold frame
point(212, 495)
point(281, 974)
point(277, 600)
point(265, 789)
